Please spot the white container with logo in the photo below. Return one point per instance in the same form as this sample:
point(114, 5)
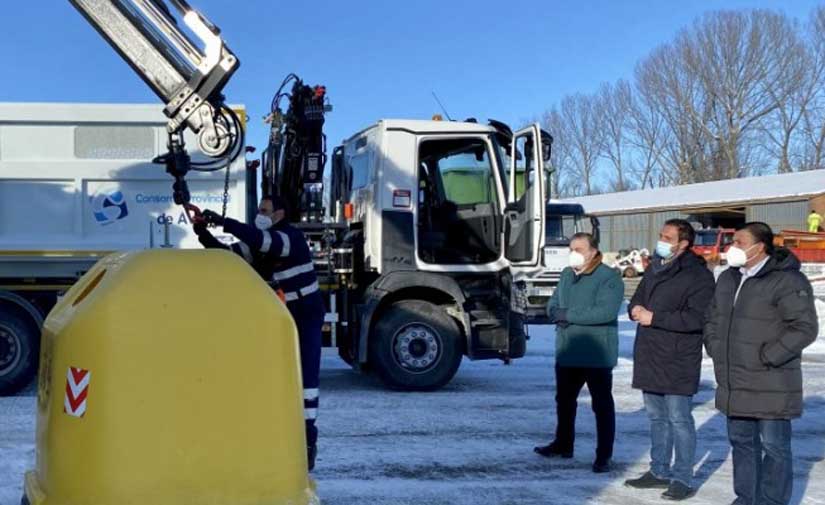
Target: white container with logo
point(79, 177)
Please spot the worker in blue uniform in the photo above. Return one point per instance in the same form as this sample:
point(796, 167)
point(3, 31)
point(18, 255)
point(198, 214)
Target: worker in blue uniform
point(281, 255)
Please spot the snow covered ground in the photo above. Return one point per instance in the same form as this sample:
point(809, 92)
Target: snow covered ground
point(472, 442)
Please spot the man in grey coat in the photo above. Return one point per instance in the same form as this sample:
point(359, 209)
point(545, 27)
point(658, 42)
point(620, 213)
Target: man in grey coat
point(761, 318)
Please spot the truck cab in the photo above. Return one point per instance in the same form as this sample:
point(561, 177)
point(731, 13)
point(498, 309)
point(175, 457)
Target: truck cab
point(713, 243)
point(436, 229)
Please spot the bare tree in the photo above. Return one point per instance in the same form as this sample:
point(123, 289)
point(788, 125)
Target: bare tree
point(646, 136)
point(613, 106)
point(783, 128)
point(813, 118)
point(735, 94)
point(747, 65)
point(559, 154)
point(667, 86)
point(583, 138)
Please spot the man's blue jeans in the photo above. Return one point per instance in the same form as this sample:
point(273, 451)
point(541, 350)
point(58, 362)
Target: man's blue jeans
point(762, 460)
point(671, 427)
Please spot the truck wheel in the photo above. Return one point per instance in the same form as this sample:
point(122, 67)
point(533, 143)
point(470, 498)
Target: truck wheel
point(346, 356)
point(415, 346)
point(18, 352)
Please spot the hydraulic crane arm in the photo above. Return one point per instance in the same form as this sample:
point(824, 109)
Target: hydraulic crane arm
point(188, 78)
point(293, 163)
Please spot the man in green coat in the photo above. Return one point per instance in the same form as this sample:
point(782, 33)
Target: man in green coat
point(585, 308)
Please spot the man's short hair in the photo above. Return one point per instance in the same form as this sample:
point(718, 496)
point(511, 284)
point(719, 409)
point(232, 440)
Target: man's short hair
point(760, 232)
point(591, 240)
point(686, 231)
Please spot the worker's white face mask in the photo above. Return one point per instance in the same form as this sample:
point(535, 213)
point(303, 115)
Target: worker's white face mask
point(576, 260)
point(263, 222)
point(737, 257)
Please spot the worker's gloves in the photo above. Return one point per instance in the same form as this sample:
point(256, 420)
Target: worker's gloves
point(213, 218)
point(558, 316)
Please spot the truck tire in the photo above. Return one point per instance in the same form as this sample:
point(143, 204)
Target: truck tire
point(19, 344)
point(415, 346)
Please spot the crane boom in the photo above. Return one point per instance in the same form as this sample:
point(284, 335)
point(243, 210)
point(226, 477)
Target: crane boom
point(187, 77)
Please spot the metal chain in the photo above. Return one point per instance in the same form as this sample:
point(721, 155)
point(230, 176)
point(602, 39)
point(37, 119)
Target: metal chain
point(226, 189)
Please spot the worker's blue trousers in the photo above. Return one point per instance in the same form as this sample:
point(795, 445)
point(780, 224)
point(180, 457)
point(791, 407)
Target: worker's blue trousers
point(308, 313)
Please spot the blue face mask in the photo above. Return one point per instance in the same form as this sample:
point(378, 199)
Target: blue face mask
point(664, 250)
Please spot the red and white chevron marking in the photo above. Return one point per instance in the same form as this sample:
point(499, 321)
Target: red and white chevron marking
point(77, 390)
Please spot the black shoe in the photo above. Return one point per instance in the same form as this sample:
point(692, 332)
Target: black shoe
point(648, 481)
point(678, 492)
point(312, 451)
point(553, 451)
point(601, 466)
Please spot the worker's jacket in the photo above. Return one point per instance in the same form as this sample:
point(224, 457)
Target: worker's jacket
point(279, 254)
point(813, 222)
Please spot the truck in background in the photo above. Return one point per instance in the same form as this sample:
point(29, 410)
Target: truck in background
point(562, 221)
point(77, 182)
point(713, 243)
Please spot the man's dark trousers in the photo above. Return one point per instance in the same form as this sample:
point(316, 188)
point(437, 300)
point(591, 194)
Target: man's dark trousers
point(569, 382)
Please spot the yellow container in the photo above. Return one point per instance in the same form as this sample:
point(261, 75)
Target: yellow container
point(170, 377)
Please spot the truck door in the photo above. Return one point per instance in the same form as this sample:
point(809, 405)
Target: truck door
point(524, 212)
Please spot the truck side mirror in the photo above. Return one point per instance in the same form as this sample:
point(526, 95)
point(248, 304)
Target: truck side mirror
point(546, 145)
point(596, 232)
point(545, 152)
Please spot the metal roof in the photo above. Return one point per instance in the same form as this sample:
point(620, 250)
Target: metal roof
point(727, 193)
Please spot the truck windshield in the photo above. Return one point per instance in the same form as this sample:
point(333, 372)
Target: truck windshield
point(706, 238)
point(559, 229)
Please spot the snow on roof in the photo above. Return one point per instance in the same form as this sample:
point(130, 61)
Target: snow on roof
point(708, 194)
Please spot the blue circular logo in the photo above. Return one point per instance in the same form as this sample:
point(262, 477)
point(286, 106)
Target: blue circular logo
point(109, 207)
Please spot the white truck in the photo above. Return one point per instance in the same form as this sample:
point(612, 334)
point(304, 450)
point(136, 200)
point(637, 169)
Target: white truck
point(77, 182)
point(418, 277)
point(422, 270)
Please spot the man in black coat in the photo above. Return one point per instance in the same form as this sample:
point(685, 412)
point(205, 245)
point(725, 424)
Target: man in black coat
point(761, 318)
point(669, 306)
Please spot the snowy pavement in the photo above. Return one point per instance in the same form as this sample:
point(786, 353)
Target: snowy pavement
point(471, 443)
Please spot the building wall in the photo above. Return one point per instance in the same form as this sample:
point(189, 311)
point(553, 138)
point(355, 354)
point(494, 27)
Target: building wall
point(633, 231)
point(625, 231)
point(818, 204)
point(638, 230)
point(782, 215)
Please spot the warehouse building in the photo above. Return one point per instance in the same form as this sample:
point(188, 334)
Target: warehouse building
point(632, 219)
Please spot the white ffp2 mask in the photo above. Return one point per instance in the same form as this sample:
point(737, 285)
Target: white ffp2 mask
point(737, 257)
point(263, 222)
point(576, 260)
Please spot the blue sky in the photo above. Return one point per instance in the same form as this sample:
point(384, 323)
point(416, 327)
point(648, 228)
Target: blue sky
point(504, 60)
